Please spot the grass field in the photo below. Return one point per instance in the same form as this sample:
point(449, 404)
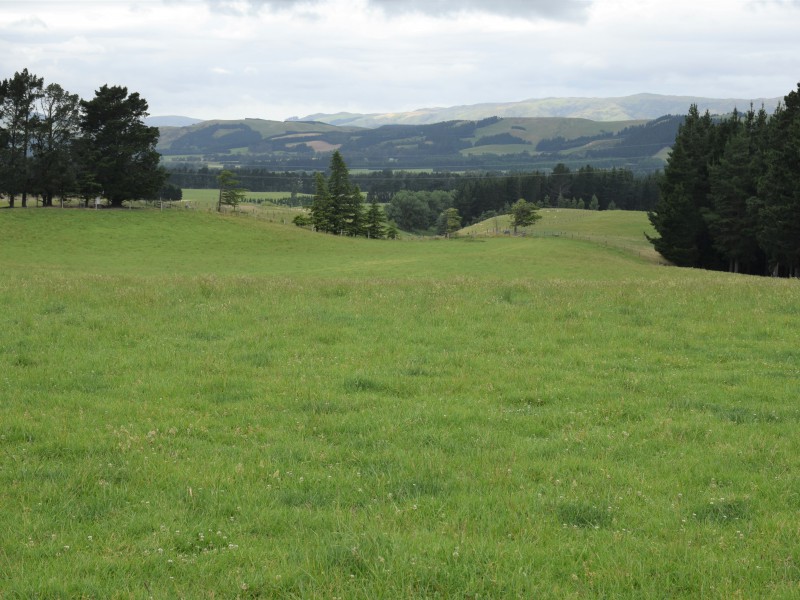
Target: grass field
point(201, 406)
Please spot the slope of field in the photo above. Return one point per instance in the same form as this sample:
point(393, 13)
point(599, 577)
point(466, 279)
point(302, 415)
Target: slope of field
point(624, 230)
point(196, 405)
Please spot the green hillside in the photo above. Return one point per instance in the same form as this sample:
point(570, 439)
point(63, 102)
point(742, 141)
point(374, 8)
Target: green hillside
point(458, 144)
point(198, 405)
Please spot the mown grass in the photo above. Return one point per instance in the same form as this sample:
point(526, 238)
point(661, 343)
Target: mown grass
point(198, 405)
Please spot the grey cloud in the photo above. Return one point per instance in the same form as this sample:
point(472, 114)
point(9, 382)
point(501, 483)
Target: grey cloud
point(562, 10)
point(550, 9)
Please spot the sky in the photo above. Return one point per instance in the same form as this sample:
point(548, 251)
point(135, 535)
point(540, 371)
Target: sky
point(274, 59)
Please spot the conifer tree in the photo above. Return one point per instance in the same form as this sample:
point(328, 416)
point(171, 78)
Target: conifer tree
point(353, 213)
point(677, 217)
point(321, 210)
point(732, 219)
point(340, 194)
point(375, 221)
point(779, 192)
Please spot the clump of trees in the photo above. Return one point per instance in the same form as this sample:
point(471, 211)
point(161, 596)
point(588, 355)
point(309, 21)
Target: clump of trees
point(55, 145)
point(419, 210)
point(338, 205)
point(730, 194)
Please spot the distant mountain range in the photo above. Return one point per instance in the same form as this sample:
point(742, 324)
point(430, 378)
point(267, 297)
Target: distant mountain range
point(491, 143)
point(626, 108)
point(635, 132)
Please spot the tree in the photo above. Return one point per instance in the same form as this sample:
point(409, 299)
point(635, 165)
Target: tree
point(321, 210)
point(375, 220)
point(119, 149)
point(302, 220)
point(170, 192)
point(18, 120)
point(353, 213)
point(523, 214)
point(337, 206)
point(340, 194)
point(779, 190)
point(54, 163)
point(684, 238)
point(594, 204)
point(451, 221)
point(732, 218)
point(230, 194)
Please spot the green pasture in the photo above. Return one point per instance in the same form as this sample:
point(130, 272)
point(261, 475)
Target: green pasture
point(623, 230)
point(198, 405)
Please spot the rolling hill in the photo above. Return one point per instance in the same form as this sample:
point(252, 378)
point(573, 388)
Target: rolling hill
point(501, 143)
point(627, 108)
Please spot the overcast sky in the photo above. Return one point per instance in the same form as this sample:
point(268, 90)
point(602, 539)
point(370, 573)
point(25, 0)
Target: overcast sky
point(274, 59)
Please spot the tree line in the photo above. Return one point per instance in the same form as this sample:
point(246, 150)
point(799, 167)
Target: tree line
point(473, 194)
point(730, 193)
point(55, 145)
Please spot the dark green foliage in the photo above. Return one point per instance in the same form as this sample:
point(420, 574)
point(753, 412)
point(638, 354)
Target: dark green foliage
point(53, 160)
point(475, 196)
point(418, 211)
point(337, 206)
point(170, 192)
point(732, 218)
point(779, 190)
point(322, 214)
point(501, 139)
point(375, 224)
point(230, 194)
point(684, 238)
point(302, 221)
point(730, 195)
point(449, 222)
point(18, 121)
point(119, 146)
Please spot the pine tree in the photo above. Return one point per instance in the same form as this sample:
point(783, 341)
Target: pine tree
point(118, 147)
point(732, 218)
point(779, 191)
point(684, 238)
point(375, 221)
point(340, 194)
point(353, 213)
point(230, 194)
point(321, 209)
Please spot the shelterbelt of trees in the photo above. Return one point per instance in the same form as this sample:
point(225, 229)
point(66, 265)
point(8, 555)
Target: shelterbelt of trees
point(730, 193)
point(56, 146)
point(473, 194)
